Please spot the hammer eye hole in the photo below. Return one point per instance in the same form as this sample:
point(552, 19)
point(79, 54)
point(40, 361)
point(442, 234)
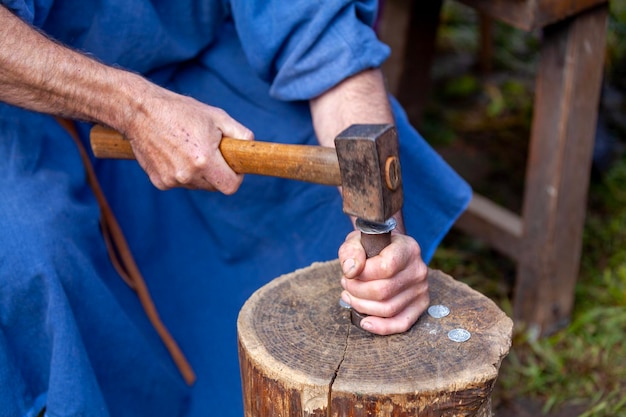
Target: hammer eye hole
point(392, 173)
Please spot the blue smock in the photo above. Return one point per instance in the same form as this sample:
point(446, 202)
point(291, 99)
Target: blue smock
point(73, 337)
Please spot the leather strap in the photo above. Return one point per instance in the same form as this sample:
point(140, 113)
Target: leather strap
point(123, 260)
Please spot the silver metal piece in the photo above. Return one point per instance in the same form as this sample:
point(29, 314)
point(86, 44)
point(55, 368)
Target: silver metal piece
point(356, 317)
point(438, 311)
point(459, 335)
point(374, 228)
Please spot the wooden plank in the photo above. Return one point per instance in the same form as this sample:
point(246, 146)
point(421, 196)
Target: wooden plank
point(531, 14)
point(485, 54)
point(393, 29)
point(410, 28)
point(564, 121)
point(301, 356)
point(497, 226)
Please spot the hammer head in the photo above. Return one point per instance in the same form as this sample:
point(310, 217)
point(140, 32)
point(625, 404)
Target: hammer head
point(369, 164)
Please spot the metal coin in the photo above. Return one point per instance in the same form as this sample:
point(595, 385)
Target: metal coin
point(459, 335)
point(438, 311)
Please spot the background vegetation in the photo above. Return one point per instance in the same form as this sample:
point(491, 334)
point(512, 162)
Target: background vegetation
point(581, 371)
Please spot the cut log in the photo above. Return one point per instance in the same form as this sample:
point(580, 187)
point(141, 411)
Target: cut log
point(301, 356)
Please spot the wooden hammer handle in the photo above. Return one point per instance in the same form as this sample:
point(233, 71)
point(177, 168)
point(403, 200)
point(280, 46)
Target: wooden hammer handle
point(316, 164)
point(374, 238)
point(374, 244)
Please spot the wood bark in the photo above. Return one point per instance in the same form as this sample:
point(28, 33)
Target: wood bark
point(301, 356)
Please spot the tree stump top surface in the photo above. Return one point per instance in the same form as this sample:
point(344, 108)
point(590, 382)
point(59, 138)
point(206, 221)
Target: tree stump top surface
point(295, 329)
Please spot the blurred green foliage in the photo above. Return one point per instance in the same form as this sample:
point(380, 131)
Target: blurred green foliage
point(616, 44)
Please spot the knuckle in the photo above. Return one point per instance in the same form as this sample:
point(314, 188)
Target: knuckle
point(399, 324)
point(157, 181)
point(182, 177)
point(384, 291)
point(200, 162)
point(342, 252)
point(218, 113)
point(421, 271)
point(389, 266)
point(169, 183)
point(160, 185)
point(347, 249)
point(424, 286)
point(227, 186)
point(403, 325)
point(228, 189)
point(388, 310)
point(247, 134)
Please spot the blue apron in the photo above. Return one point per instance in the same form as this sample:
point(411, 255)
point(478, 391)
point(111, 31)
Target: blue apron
point(73, 337)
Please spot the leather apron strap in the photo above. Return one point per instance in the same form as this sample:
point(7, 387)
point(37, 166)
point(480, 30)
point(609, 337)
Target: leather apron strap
point(123, 260)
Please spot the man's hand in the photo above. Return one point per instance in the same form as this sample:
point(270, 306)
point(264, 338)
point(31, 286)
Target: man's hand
point(176, 141)
point(175, 138)
point(391, 287)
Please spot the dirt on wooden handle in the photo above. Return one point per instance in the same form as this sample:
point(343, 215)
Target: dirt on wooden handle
point(316, 164)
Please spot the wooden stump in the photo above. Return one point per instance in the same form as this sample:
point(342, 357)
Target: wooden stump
point(299, 353)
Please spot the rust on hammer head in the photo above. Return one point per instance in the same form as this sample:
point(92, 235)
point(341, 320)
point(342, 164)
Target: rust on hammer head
point(369, 164)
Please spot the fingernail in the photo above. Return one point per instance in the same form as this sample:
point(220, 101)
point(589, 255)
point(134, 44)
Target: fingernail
point(348, 265)
point(366, 325)
point(346, 298)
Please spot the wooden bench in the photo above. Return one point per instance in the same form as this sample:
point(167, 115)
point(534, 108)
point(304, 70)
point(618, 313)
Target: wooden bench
point(545, 240)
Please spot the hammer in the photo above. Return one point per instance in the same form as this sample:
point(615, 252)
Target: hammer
point(365, 163)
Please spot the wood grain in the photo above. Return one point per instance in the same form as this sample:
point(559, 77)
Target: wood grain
point(559, 164)
point(316, 164)
point(299, 353)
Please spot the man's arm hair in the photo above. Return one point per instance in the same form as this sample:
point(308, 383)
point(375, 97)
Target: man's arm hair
point(360, 99)
point(38, 73)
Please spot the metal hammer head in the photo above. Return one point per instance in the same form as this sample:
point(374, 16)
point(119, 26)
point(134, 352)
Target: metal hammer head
point(369, 164)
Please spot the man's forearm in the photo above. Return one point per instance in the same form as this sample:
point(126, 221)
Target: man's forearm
point(38, 74)
point(360, 99)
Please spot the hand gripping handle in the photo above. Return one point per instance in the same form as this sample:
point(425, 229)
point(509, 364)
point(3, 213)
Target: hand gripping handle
point(316, 164)
point(374, 237)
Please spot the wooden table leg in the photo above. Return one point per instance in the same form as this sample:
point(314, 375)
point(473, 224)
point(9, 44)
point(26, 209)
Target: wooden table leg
point(410, 29)
point(557, 176)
